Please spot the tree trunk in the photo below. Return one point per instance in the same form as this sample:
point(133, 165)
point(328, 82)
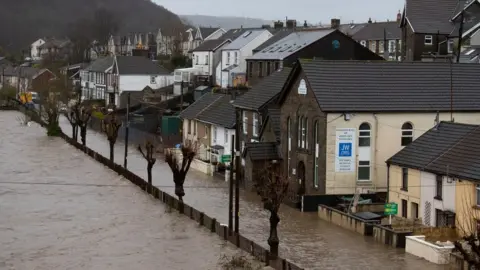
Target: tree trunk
point(73, 131)
point(112, 146)
point(83, 134)
point(179, 191)
point(149, 174)
point(75, 134)
point(273, 240)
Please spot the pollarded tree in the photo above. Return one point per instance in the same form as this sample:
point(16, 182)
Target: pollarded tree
point(180, 166)
point(148, 153)
point(72, 119)
point(469, 244)
point(52, 97)
point(83, 115)
point(272, 186)
point(111, 125)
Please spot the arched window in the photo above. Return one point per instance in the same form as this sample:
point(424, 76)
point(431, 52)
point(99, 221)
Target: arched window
point(407, 133)
point(364, 135)
point(299, 131)
point(305, 133)
point(289, 144)
point(316, 140)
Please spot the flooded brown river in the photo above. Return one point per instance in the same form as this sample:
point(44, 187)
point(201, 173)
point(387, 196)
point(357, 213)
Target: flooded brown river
point(61, 210)
point(309, 242)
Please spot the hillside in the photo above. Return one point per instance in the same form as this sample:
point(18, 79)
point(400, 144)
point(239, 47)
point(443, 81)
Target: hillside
point(224, 22)
point(24, 21)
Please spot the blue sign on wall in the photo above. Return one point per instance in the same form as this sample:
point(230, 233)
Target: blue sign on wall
point(345, 149)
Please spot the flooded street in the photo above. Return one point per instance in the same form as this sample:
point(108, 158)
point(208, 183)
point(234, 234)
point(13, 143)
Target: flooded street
point(305, 240)
point(62, 210)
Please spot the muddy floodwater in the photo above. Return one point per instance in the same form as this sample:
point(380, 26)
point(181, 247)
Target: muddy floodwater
point(307, 241)
point(61, 210)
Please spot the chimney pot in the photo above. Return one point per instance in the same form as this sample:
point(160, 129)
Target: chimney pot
point(399, 16)
point(335, 23)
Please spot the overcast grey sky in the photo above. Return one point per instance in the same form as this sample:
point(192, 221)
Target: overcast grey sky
point(313, 11)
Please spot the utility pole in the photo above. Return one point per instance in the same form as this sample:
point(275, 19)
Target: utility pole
point(127, 120)
point(238, 168)
point(181, 95)
point(460, 34)
point(230, 193)
point(451, 89)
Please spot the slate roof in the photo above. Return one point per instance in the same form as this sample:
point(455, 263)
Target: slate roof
point(450, 149)
point(390, 86)
point(276, 37)
point(430, 16)
point(220, 113)
point(192, 111)
point(100, 64)
point(235, 33)
point(262, 151)
point(290, 44)
point(263, 92)
point(244, 39)
point(352, 28)
point(273, 116)
point(470, 55)
point(375, 31)
point(23, 72)
point(211, 45)
point(139, 65)
point(207, 31)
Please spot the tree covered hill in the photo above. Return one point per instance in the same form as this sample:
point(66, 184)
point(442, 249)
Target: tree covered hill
point(24, 21)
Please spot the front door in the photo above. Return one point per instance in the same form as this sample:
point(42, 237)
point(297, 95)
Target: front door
point(301, 178)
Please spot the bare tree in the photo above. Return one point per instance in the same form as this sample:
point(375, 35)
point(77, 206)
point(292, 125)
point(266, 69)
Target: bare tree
point(111, 125)
point(180, 166)
point(83, 115)
point(71, 116)
point(468, 246)
point(53, 96)
point(272, 186)
point(148, 153)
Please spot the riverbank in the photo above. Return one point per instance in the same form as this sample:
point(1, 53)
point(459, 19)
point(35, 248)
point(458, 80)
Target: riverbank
point(202, 218)
point(62, 210)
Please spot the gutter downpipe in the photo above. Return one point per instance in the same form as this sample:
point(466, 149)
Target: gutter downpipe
point(388, 182)
point(375, 151)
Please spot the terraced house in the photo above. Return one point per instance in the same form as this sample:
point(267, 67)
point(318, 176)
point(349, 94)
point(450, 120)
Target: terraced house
point(337, 131)
point(436, 179)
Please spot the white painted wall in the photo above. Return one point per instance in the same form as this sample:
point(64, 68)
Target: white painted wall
point(138, 82)
point(428, 192)
point(416, 245)
point(204, 63)
point(34, 51)
point(386, 136)
point(222, 136)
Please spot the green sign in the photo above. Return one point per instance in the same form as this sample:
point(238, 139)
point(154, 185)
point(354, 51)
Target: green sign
point(391, 209)
point(225, 158)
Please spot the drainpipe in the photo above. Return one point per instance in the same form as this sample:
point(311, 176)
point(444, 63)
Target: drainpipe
point(375, 150)
point(388, 182)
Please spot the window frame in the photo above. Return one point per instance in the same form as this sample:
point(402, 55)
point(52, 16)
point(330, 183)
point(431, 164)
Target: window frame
point(362, 164)
point(214, 131)
point(362, 135)
point(477, 189)
point(404, 186)
point(260, 69)
point(363, 43)
point(228, 59)
point(407, 134)
point(196, 59)
point(207, 58)
point(450, 45)
point(256, 126)
point(153, 80)
point(404, 208)
point(299, 131)
point(381, 46)
point(304, 132)
point(245, 122)
point(316, 154)
point(438, 187)
point(428, 40)
point(236, 57)
point(392, 46)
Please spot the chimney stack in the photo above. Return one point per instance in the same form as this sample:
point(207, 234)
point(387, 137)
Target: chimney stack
point(278, 25)
point(369, 20)
point(291, 24)
point(305, 24)
point(399, 16)
point(335, 23)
